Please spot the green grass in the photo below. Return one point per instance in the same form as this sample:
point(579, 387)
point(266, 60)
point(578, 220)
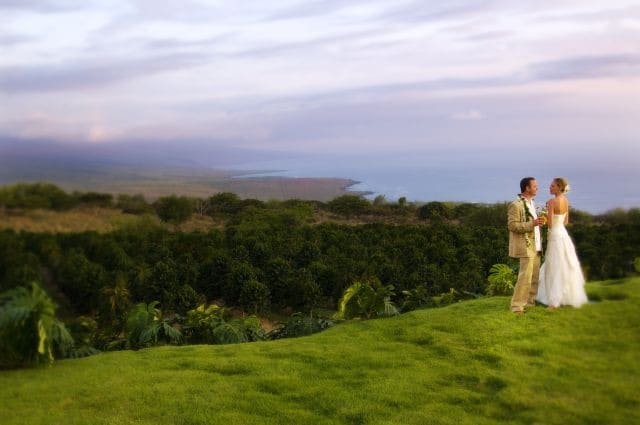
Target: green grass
point(469, 363)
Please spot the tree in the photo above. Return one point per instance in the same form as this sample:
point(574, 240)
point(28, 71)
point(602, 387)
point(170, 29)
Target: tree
point(30, 333)
point(254, 296)
point(81, 280)
point(174, 209)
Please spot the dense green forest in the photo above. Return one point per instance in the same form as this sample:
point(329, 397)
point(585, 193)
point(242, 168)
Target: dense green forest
point(273, 256)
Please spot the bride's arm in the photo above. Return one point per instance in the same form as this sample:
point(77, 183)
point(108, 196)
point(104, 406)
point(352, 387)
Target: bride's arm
point(566, 216)
point(550, 213)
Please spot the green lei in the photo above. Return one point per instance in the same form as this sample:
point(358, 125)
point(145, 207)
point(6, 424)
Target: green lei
point(527, 213)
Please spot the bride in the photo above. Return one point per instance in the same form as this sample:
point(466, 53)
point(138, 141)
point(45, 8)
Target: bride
point(561, 281)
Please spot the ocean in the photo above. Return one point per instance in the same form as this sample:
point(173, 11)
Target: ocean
point(422, 178)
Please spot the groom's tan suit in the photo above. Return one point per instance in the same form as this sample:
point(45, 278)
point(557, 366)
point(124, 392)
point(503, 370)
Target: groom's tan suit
point(522, 245)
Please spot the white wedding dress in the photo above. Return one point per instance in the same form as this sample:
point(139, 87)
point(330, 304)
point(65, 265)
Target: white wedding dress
point(561, 279)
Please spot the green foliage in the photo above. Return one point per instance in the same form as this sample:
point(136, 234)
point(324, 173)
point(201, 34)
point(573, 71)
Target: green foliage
point(366, 299)
point(30, 333)
point(636, 264)
point(224, 203)
point(254, 296)
point(300, 324)
point(379, 201)
point(94, 199)
point(415, 298)
point(146, 327)
point(81, 280)
point(214, 325)
point(83, 329)
point(502, 279)
point(435, 211)
point(174, 209)
point(133, 204)
point(448, 298)
point(349, 205)
point(118, 299)
point(35, 195)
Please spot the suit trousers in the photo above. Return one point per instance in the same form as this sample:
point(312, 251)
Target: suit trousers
point(526, 287)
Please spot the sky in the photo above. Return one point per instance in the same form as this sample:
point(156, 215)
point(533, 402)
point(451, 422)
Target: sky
point(317, 76)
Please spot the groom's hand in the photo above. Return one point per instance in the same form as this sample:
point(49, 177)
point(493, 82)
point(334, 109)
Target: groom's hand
point(539, 222)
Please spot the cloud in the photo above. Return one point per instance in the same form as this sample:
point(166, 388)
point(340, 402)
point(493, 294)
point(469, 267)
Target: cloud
point(83, 75)
point(596, 66)
point(12, 39)
point(468, 115)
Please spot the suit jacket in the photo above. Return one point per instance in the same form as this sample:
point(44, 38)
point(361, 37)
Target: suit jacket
point(521, 229)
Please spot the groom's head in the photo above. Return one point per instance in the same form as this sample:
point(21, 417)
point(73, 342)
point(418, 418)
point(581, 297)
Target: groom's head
point(529, 186)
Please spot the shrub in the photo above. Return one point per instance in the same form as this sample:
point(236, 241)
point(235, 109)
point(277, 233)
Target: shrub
point(254, 295)
point(349, 205)
point(95, 199)
point(174, 209)
point(133, 204)
point(502, 279)
point(146, 327)
point(299, 324)
point(214, 325)
point(366, 299)
point(435, 211)
point(416, 298)
point(35, 195)
point(225, 203)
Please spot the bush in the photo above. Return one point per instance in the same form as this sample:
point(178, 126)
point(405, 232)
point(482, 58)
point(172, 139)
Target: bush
point(254, 296)
point(214, 325)
point(225, 203)
point(146, 327)
point(416, 298)
point(35, 195)
point(349, 205)
point(300, 325)
point(435, 211)
point(174, 209)
point(366, 299)
point(133, 204)
point(30, 333)
point(95, 199)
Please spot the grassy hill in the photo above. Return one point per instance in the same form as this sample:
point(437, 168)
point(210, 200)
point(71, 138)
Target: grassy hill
point(469, 363)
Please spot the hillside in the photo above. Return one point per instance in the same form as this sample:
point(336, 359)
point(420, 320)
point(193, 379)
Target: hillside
point(469, 363)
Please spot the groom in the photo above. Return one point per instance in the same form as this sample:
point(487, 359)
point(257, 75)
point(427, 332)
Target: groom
point(525, 243)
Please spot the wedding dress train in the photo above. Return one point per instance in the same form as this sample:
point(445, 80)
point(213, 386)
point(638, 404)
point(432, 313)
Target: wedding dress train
point(561, 280)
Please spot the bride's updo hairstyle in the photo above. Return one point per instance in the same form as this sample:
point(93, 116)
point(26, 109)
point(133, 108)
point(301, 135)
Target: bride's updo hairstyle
point(562, 183)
